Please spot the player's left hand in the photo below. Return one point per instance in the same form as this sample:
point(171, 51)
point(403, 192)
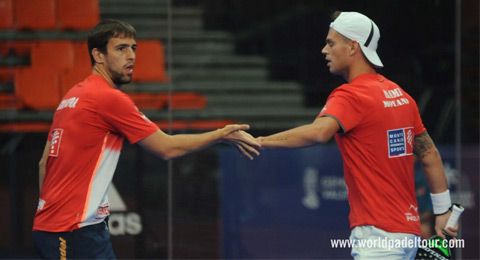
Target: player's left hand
point(441, 222)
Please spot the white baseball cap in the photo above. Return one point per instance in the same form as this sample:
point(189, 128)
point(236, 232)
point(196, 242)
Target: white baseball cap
point(362, 29)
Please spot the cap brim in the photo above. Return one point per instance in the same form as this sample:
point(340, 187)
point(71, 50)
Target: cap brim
point(372, 56)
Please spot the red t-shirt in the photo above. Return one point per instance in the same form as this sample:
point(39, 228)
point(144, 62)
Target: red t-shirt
point(86, 137)
point(379, 122)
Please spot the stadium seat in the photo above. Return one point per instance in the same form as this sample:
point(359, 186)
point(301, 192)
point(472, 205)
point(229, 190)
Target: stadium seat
point(6, 14)
point(7, 74)
point(82, 58)
point(188, 100)
point(78, 15)
point(149, 100)
point(25, 127)
point(35, 14)
point(58, 56)
point(176, 125)
point(17, 48)
point(209, 124)
point(9, 101)
point(37, 88)
point(180, 100)
point(70, 78)
point(83, 68)
point(149, 62)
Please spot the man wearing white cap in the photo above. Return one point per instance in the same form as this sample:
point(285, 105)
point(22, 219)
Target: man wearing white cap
point(378, 129)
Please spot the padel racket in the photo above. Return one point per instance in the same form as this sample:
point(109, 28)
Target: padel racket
point(437, 247)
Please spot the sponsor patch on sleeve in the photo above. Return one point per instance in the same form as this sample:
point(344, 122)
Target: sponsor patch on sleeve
point(56, 139)
point(400, 142)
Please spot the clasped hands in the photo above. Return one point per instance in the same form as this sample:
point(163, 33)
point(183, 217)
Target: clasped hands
point(246, 144)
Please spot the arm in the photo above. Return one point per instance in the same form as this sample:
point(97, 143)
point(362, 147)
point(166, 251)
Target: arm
point(432, 167)
point(173, 146)
point(320, 131)
point(42, 165)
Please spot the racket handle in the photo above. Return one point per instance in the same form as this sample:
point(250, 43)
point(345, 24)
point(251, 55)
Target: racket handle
point(457, 210)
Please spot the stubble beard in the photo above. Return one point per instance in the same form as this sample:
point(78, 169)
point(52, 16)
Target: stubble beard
point(118, 78)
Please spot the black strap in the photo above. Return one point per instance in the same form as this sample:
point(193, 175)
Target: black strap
point(370, 36)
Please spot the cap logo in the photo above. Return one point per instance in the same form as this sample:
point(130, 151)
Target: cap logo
point(370, 36)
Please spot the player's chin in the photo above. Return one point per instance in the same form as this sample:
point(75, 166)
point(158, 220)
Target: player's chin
point(127, 79)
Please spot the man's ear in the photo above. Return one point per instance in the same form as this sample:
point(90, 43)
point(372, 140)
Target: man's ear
point(354, 47)
point(98, 56)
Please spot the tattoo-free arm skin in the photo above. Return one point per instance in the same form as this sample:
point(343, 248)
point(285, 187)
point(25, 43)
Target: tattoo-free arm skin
point(320, 131)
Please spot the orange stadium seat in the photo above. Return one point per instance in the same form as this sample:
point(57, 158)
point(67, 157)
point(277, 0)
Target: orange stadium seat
point(70, 78)
point(57, 56)
point(83, 68)
point(7, 74)
point(188, 100)
point(150, 62)
point(17, 48)
point(209, 124)
point(9, 101)
point(37, 88)
point(180, 100)
point(35, 14)
point(78, 15)
point(148, 100)
point(6, 14)
point(25, 127)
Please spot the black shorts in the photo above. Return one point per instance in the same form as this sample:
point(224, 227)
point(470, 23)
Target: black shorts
point(90, 242)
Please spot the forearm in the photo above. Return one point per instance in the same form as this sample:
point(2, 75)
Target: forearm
point(183, 144)
point(320, 131)
point(173, 146)
point(293, 138)
point(434, 172)
point(431, 163)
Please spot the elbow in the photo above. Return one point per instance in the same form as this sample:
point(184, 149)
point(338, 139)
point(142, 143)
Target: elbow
point(321, 135)
point(167, 154)
point(322, 138)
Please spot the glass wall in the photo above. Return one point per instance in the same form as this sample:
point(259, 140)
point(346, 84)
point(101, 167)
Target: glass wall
point(203, 64)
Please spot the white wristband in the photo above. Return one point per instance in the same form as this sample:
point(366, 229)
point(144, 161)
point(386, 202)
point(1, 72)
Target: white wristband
point(441, 202)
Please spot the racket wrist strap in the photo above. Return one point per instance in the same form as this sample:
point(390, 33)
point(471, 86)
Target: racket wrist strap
point(441, 202)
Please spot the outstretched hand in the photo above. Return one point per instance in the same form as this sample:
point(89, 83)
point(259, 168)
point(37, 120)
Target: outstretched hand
point(246, 144)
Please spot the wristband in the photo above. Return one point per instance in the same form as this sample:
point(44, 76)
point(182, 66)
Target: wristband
point(441, 202)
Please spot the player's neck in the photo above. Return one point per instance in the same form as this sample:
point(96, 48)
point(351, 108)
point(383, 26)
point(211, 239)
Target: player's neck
point(102, 72)
point(358, 70)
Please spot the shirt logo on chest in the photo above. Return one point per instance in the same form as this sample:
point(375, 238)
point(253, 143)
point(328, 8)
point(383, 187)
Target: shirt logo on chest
point(400, 142)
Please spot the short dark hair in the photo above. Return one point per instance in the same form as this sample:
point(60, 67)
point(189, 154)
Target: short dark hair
point(335, 15)
point(101, 33)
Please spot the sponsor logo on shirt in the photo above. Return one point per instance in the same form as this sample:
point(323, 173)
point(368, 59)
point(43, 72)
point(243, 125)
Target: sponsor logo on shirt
point(144, 117)
point(412, 216)
point(41, 204)
point(68, 103)
point(396, 95)
point(55, 141)
point(400, 142)
point(103, 211)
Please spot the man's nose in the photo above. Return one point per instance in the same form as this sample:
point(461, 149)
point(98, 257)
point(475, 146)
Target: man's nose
point(131, 54)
